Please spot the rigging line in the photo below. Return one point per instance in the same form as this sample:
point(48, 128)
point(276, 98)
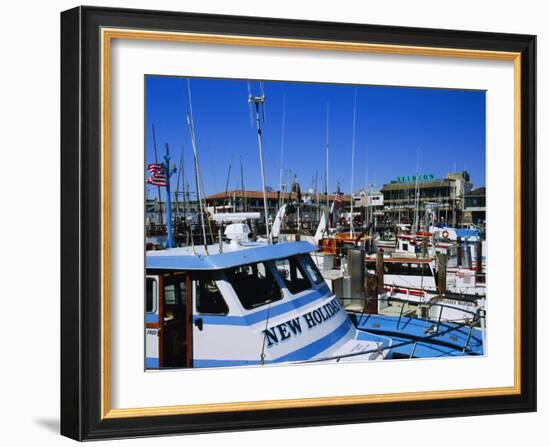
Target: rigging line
point(262, 355)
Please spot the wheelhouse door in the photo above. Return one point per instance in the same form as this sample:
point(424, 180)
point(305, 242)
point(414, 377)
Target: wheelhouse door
point(152, 322)
point(210, 308)
point(175, 312)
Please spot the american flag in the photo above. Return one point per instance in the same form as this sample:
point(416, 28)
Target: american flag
point(337, 200)
point(157, 174)
point(336, 204)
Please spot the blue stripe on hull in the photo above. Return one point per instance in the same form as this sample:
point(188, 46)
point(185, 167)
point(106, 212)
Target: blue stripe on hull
point(311, 350)
point(151, 363)
point(261, 315)
point(302, 354)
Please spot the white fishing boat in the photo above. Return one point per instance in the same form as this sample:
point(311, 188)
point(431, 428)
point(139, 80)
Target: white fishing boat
point(243, 302)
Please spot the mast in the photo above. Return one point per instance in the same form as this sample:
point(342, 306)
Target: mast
point(258, 102)
point(417, 194)
point(188, 229)
point(243, 198)
point(177, 193)
point(282, 148)
point(156, 162)
point(191, 128)
point(326, 166)
point(353, 160)
point(227, 181)
point(169, 171)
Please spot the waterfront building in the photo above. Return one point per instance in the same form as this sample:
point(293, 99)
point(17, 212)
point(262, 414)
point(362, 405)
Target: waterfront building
point(410, 196)
point(474, 206)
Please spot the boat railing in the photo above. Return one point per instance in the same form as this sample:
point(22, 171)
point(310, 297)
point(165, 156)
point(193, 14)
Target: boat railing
point(475, 314)
point(393, 288)
point(413, 343)
point(438, 329)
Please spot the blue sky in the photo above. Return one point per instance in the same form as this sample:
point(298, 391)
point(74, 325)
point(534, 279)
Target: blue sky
point(444, 129)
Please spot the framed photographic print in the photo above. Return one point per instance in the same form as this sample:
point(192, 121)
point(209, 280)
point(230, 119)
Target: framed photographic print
point(276, 223)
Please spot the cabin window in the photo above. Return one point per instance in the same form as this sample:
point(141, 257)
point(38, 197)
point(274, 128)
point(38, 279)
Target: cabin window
point(312, 269)
point(254, 284)
point(209, 298)
point(293, 274)
point(406, 268)
point(150, 295)
point(174, 289)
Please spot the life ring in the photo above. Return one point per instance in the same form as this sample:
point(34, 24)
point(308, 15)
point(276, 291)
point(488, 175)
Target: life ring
point(445, 234)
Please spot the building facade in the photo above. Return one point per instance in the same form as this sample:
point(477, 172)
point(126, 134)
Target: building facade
point(475, 206)
point(411, 196)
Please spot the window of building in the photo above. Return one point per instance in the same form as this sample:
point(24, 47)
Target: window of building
point(151, 295)
point(254, 284)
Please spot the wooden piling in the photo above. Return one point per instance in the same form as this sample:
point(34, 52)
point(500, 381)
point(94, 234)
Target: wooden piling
point(441, 273)
point(380, 270)
point(479, 253)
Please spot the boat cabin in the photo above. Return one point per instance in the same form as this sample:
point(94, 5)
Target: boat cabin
point(245, 303)
point(411, 279)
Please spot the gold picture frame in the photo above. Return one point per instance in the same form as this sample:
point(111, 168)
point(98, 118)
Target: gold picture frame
point(103, 27)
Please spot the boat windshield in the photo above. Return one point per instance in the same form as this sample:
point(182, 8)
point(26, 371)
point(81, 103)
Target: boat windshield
point(209, 298)
point(312, 269)
point(254, 284)
point(293, 274)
